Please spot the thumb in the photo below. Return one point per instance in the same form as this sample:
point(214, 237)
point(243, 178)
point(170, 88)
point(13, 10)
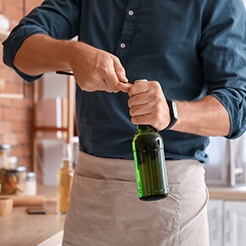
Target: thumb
point(123, 84)
point(124, 87)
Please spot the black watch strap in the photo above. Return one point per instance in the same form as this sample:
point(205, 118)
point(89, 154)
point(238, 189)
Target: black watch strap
point(173, 113)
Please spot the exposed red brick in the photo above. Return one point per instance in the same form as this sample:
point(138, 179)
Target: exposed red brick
point(16, 114)
point(4, 127)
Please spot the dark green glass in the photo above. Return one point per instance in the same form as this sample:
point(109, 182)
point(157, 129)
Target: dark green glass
point(150, 164)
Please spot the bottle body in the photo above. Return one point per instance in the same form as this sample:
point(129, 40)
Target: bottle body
point(150, 165)
point(64, 184)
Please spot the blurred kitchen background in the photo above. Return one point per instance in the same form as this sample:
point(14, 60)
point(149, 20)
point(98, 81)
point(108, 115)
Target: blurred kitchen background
point(37, 128)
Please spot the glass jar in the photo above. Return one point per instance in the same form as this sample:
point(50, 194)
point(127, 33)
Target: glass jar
point(13, 162)
point(31, 184)
point(5, 150)
point(13, 181)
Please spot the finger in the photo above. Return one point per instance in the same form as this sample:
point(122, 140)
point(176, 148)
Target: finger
point(138, 100)
point(148, 119)
point(145, 119)
point(124, 87)
point(139, 88)
point(119, 70)
point(140, 108)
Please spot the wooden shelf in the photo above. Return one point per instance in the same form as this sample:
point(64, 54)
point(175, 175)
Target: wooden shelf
point(68, 124)
point(11, 96)
point(50, 128)
point(3, 35)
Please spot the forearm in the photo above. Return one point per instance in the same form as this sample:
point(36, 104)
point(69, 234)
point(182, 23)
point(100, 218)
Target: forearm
point(40, 53)
point(206, 117)
point(94, 69)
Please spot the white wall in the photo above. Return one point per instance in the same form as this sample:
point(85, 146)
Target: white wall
point(223, 152)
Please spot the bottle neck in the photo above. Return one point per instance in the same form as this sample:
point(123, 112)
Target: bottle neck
point(66, 164)
point(146, 128)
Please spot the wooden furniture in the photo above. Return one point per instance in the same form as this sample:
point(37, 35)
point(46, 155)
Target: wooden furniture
point(228, 193)
point(68, 109)
point(227, 216)
point(21, 228)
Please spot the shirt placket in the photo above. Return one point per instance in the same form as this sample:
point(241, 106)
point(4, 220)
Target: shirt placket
point(128, 30)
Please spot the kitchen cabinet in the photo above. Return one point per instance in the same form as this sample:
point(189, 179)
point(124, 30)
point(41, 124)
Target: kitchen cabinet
point(227, 222)
point(234, 223)
point(215, 218)
point(61, 100)
point(53, 124)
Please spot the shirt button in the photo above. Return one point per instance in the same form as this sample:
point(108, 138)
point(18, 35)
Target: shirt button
point(131, 12)
point(123, 45)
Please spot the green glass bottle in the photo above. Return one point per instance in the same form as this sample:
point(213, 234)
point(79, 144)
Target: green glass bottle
point(150, 164)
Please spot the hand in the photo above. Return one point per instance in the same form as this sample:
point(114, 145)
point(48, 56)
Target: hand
point(148, 105)
point(97, 70)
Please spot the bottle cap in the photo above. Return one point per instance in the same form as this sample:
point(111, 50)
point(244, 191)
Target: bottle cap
point(66, 163)
point(140, 80)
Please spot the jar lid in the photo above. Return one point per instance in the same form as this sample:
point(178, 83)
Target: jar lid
point(13, 162)
point(21, 169)
point(5, 147)
point(31, 175)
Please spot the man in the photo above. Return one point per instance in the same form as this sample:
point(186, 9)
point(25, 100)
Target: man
point(192, 52)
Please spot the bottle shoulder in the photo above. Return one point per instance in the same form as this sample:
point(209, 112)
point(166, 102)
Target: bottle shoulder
point(65, 171)
point(147, 141)
point(147, 135)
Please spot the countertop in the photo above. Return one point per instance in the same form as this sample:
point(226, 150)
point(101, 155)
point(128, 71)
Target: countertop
point(237, 192)
point(21, 228)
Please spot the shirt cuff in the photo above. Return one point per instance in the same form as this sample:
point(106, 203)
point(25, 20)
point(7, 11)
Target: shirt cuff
point(13, 43)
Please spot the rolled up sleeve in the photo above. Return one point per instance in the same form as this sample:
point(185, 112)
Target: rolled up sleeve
point(223, 53)
point(58, 19)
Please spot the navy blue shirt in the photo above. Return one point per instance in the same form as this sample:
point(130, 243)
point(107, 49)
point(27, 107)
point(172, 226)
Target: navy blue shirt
point(192, 47)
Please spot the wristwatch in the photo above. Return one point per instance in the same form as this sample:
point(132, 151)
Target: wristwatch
point(173, 113)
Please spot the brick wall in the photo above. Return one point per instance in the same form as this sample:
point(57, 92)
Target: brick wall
point(16, 114)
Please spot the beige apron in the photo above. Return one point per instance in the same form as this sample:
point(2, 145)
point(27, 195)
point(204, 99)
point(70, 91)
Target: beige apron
point(105, 209)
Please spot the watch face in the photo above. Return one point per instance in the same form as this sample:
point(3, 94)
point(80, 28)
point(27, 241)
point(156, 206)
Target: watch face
point(175, 110)
point(173, 113)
